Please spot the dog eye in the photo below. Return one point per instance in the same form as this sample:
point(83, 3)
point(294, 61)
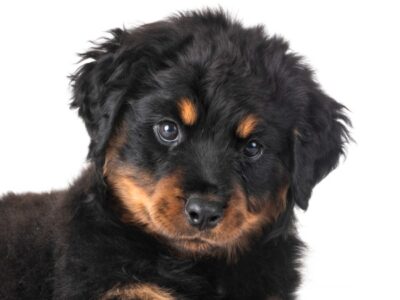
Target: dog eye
point(253, 149)
point(167, 131)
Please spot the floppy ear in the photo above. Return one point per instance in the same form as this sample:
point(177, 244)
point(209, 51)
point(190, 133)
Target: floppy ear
point(319, 140)
point(95, 90)
point(118, 69)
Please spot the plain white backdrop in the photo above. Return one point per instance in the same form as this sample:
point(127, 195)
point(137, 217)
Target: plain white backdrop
point(352, 227)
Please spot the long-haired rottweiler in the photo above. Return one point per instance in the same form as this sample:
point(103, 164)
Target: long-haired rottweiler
point(205, 135)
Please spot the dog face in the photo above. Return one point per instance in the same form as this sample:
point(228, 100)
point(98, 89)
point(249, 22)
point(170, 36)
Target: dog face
point(206, 132)
point(202, 171)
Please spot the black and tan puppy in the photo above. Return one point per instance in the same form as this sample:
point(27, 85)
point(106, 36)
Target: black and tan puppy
point(204, 137)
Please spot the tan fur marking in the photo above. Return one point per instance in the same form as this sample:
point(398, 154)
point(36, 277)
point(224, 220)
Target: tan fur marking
point(187, 111)
point(142, 197)
point(142, 291)
point(236, 239)
point(114, 145)
point(247, 126)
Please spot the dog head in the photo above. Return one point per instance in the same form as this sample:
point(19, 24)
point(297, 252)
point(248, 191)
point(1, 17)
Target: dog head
point(206, 132)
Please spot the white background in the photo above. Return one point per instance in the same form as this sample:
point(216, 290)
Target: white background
point(352, 226)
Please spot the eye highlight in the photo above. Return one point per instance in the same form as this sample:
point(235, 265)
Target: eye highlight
point(253, 149)
point(167, 132)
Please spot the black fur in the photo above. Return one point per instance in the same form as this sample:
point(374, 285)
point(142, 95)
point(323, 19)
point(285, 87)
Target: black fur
point(72, 244)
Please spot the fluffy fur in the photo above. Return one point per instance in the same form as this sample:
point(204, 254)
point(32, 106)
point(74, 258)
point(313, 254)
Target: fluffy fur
point(120, 231)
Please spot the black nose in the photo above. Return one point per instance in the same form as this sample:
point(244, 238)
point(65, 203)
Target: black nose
point(203, 213)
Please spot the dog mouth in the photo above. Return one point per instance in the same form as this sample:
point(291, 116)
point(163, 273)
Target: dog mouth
point(193, 240)
point(193, 244)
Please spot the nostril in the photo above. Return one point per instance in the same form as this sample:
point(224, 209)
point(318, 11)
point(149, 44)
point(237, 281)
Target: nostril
point(214, 219)
point(194, 216)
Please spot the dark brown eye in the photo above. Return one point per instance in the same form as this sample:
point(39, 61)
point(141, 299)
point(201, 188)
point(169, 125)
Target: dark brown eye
point(167, 131)
point(253, 149)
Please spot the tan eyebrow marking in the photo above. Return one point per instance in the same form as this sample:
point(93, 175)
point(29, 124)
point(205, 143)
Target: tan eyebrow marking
point(187, 111)
point(246, 126)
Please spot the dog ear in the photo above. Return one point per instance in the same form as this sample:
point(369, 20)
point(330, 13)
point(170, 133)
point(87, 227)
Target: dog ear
point(95, 92)
point(318, 142)
point(117, 69)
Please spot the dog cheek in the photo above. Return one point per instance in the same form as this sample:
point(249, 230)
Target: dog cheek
point(132, 197)
point(230, 231)
point(240, 224)
point(167, 215)
point(167, 207)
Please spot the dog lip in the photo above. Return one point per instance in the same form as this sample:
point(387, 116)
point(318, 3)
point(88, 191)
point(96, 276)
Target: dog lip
point(196, 240)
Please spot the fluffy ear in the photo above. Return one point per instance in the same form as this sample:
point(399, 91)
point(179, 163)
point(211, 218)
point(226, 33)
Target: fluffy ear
point(95, 90)
point(118, 69)
point(319, 140)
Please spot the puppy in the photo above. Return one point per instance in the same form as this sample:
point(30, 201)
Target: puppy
point(205, 135)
